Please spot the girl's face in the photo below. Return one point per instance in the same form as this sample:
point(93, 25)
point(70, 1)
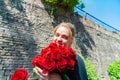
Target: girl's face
point(61, 37)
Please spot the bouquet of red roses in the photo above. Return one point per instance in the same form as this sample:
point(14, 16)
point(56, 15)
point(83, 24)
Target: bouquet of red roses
point(55, 59)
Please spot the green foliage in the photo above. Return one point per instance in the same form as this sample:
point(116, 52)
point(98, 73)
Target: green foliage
point(65, 77)
point(114, 70)
point(82, 5)
point(35, 77)
point(68, 5)
point(91, 70)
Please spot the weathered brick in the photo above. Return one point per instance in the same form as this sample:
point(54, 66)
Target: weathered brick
point(1, 66)
point(1, 72)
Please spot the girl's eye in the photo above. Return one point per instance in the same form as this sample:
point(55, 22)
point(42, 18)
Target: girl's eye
point(57, 35)
point(65, 37)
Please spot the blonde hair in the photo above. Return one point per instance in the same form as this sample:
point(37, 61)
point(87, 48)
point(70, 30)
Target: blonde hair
point(70, 28)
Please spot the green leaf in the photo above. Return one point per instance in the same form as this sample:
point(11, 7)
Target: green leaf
point(82, 5)
point(53, 11)
point(35, 75)
point(65, 77)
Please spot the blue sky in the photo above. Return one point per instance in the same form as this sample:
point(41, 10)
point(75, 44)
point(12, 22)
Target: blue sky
point(107, 11)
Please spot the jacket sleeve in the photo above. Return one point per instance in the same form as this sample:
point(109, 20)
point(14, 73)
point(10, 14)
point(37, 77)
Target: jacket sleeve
point(79, 72)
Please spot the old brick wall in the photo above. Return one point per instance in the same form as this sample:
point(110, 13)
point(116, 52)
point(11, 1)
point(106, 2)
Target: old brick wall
point(24, 31)
point(26, 28)
point(104, 48)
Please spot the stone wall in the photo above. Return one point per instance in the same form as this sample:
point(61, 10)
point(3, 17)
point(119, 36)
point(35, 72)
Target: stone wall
point(106, 48)
point(26, 28)
point(24, 31)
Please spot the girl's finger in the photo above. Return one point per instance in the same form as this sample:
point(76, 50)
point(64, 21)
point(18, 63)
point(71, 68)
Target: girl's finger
point(40, 72)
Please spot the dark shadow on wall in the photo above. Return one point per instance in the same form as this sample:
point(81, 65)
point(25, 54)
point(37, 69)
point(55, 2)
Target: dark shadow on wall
point(83, 39)
point(20, 46)
point(7, 9)
point(17, 4)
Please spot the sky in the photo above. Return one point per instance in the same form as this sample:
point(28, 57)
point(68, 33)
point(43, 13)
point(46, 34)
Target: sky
point(107, 11)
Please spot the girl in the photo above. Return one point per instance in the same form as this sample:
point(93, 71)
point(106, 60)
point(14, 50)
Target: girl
point(64, 35)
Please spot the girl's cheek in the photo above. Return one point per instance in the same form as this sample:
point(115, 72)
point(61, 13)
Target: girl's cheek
point(54, 38)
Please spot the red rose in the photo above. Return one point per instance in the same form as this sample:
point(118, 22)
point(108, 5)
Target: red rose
point(56, 54)
point(65, 53)
point(20, 74)
point(38, 61)
point(49, 65)
point(45, 50)
point(62, 65)
point(52, 46)
point(71, 64)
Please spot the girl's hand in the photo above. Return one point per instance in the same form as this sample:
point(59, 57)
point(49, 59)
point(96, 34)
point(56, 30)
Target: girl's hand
point(54, 76)
point(42, 76)
point(39, 73)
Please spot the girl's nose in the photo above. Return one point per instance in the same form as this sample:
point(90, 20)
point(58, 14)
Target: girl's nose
point(59, 38)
